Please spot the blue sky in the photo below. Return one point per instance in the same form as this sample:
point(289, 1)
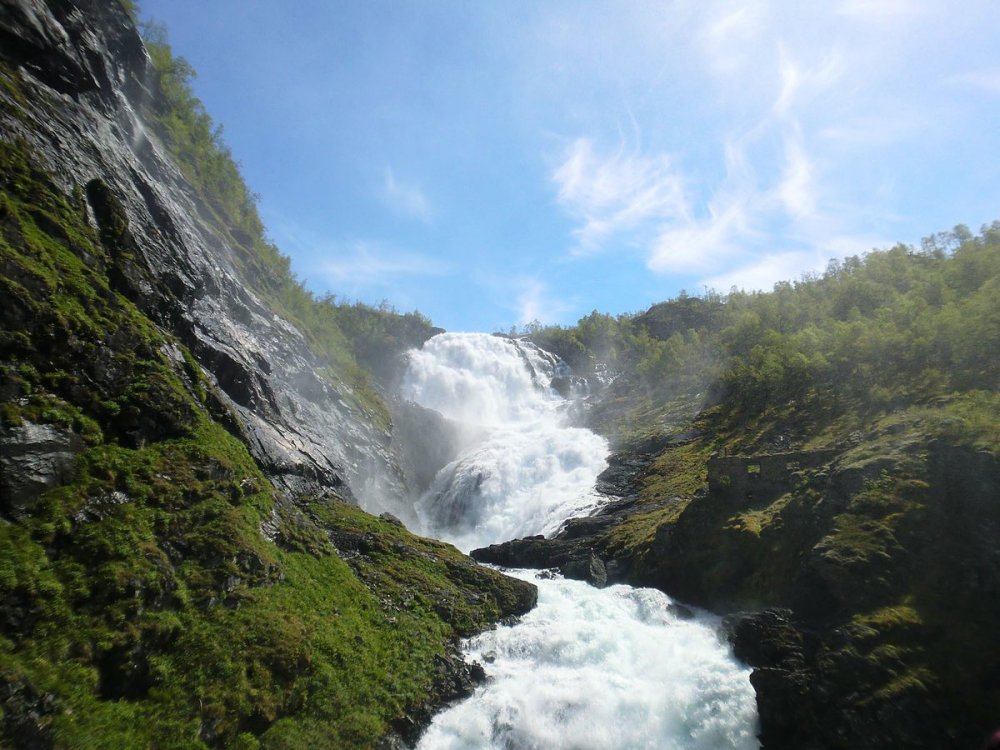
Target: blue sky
point(491, 163)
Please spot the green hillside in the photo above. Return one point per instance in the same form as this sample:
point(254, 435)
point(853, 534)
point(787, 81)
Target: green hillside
point(830, 447)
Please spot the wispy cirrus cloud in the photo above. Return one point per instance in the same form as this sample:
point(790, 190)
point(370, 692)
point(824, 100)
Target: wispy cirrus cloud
point(799, 81)
point(642, 199)
point(728, 36)
point(798, 190)
point(405, 198)
point(762, 272)
point(616, 193)
point(368, 264)
point(699, 245)
point(774, 211)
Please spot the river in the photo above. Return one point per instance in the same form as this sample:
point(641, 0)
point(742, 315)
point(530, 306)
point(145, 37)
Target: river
point(617, 667)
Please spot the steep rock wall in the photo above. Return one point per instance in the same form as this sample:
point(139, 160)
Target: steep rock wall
point(88, 81)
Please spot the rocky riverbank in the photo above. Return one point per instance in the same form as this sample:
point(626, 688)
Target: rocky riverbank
point(839, 571)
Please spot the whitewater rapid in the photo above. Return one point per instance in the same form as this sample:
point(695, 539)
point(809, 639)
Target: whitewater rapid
point(588, 668)
point(600, 669)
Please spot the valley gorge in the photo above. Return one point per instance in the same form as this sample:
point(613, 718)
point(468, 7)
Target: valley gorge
point(235, 516)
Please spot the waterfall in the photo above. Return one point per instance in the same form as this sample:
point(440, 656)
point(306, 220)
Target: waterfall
point(587, 668)
point(524, 468)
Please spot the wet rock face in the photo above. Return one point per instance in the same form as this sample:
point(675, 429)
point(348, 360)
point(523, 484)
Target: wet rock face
point(87, 114)
point(33, 458)
point(51, 43)
point(771, 642)
point(426, 441)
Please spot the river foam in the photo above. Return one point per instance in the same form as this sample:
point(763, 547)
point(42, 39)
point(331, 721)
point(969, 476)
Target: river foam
point(601, 669)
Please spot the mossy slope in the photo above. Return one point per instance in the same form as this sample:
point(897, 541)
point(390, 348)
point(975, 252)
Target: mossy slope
point(167, 595)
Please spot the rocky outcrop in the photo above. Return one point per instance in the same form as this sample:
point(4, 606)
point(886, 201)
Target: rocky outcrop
point(570, 559)
point(772, 643)
point(34, 458)
point(857, 549)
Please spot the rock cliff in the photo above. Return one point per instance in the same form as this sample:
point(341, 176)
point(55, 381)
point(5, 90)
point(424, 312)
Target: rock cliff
point(84, 114)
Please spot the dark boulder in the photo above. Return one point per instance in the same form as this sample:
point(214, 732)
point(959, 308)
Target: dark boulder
point(590, 569)
point(572, 559)
point(765, 639)
point(771, 642)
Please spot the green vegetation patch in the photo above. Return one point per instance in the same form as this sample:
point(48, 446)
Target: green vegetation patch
point(680, 472)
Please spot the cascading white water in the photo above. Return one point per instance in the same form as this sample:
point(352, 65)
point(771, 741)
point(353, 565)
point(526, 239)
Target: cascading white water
point(587, 668)
point(525, 470)
point(597, 669)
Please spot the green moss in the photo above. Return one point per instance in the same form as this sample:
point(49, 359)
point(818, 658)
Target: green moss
point(11, 83)
point(910, 683)
point(859, 541)
point(419, 574)
point(677, 472)
point(891, 618)
point(635, 535)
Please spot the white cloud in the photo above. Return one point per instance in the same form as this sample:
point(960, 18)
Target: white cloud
point(987, 80)
point(535, 303)
point(762, 273)
point(728, 39)
point(797, 189)
point(405, 198)
point(643, 197)
point(791, 79)
point(799, 81)
point(616, 193)
point(697, 245)
point(798, 99)
point(367, 264)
